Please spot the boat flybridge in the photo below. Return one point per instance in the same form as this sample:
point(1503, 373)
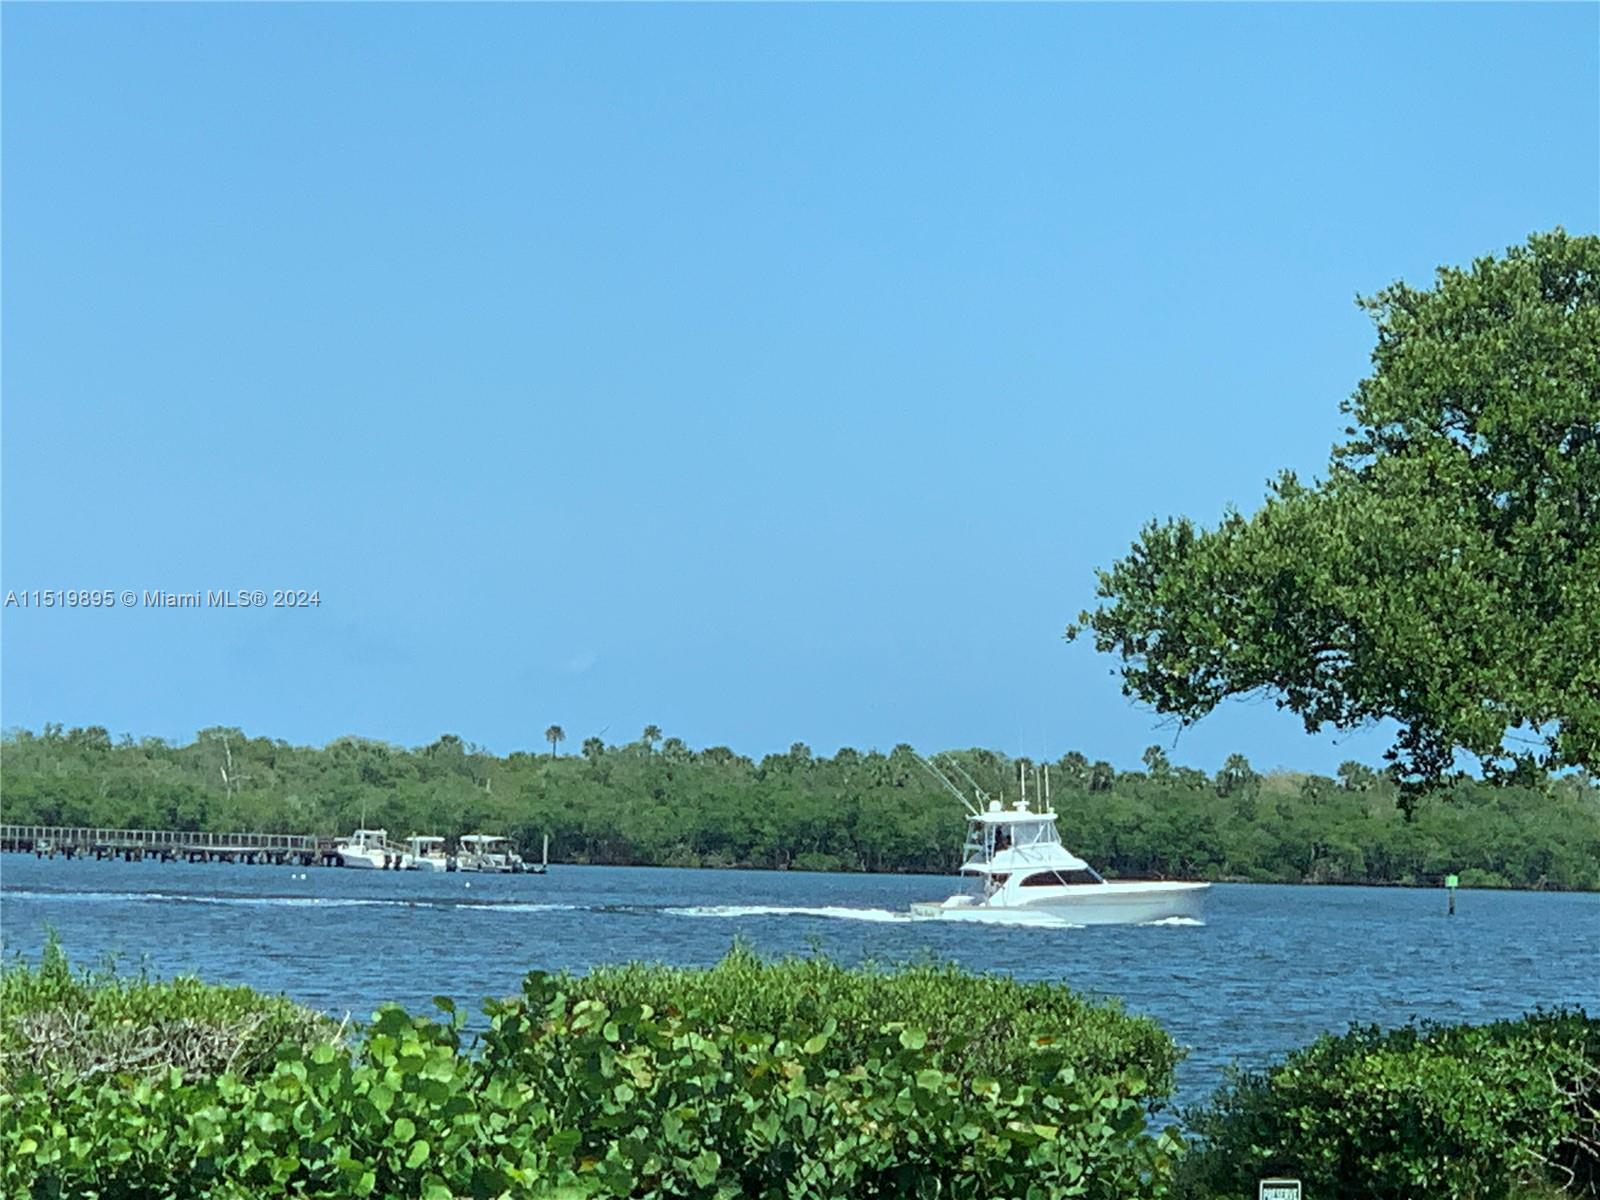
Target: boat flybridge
point(1019, 870)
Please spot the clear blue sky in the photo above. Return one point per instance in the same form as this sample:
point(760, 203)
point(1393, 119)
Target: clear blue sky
point(767, 374)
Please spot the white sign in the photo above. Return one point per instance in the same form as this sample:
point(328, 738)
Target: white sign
point(1279, 1189)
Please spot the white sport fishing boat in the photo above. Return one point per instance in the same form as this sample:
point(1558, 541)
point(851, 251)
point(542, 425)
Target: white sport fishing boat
point(427, 854)
point(1020, 870)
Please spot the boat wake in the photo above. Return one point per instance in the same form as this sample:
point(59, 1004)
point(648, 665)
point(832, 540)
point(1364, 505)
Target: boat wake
point(507, 906)
point(881, 916)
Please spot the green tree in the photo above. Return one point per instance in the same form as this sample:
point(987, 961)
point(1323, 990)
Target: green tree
point(1156, 762)
point(1446, 573)
point(1356, 777)
point(553, 735)
point(650, 736)
point(593, 748)
point(1237, 777)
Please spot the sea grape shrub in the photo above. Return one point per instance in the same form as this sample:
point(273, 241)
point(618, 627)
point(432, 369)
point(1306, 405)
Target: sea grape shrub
point(568, 1094)
point(62, 1023)
point(1455, 1112)
point(407, 1114)
point(682, 1102)
point(978, 1025)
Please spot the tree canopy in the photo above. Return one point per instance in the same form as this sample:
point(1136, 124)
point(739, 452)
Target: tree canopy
point(1444, 575)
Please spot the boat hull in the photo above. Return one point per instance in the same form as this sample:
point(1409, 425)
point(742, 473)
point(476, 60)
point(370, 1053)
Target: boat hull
point(1088, 904)
point(375, 860)
point(489, 866)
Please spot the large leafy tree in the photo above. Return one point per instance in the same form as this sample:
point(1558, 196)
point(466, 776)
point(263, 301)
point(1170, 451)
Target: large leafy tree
point(1446, 572)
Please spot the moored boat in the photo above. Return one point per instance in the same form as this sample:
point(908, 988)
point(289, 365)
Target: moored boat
point(428, 854)
point(488, 853)
point(369, 850)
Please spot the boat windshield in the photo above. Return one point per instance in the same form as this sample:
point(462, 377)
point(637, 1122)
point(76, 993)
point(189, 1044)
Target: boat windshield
point(1025, 833)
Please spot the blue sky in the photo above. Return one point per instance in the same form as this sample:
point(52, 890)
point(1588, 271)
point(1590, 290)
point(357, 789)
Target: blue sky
point(764, 373)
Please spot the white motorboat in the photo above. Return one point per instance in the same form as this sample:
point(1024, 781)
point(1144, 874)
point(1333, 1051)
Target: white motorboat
point(488, 853)
point(428, 854)
point(1020, 871)
point(369, 850)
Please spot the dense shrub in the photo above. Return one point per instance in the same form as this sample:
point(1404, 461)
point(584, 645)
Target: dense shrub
point(570, 1092)
point(682, 1103)
point(791, 1079)
point(61, 1023)
point(406, 1116)
point(1469, 1112)
point(978, 1025)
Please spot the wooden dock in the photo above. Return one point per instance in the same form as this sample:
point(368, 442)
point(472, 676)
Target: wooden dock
point(169, 845)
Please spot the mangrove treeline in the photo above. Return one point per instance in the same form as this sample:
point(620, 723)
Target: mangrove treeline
point(656, 801)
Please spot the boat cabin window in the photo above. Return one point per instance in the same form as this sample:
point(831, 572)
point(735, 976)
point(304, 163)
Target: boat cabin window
point(1022, 833)
point(1059, 878)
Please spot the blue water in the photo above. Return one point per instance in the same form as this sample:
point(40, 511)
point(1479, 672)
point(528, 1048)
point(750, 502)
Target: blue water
point(1270, 969)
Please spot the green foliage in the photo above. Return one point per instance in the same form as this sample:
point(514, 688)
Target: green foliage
point(976, 1025)
point(789, 1079)
point(688, 1100)
point(62, 1024)
point(864, 811)
point(1446, 574)
point(406, 1115)
point(1475, 1113)
point(572, 1095)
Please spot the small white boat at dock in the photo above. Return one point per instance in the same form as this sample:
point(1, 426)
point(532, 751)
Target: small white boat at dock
point(1020, 870)
point(488, 853)
point(428, 854)
point(370, 850)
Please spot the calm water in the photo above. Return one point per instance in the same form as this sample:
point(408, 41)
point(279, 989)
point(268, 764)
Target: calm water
point(1271, 968)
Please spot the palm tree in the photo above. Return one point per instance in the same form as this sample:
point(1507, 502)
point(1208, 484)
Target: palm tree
point(650, 736)
point(593, 748)
point(553, 735)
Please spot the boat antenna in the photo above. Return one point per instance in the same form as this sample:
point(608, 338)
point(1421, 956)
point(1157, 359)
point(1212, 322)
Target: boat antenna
point(942, 778)
point(1047, 806)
